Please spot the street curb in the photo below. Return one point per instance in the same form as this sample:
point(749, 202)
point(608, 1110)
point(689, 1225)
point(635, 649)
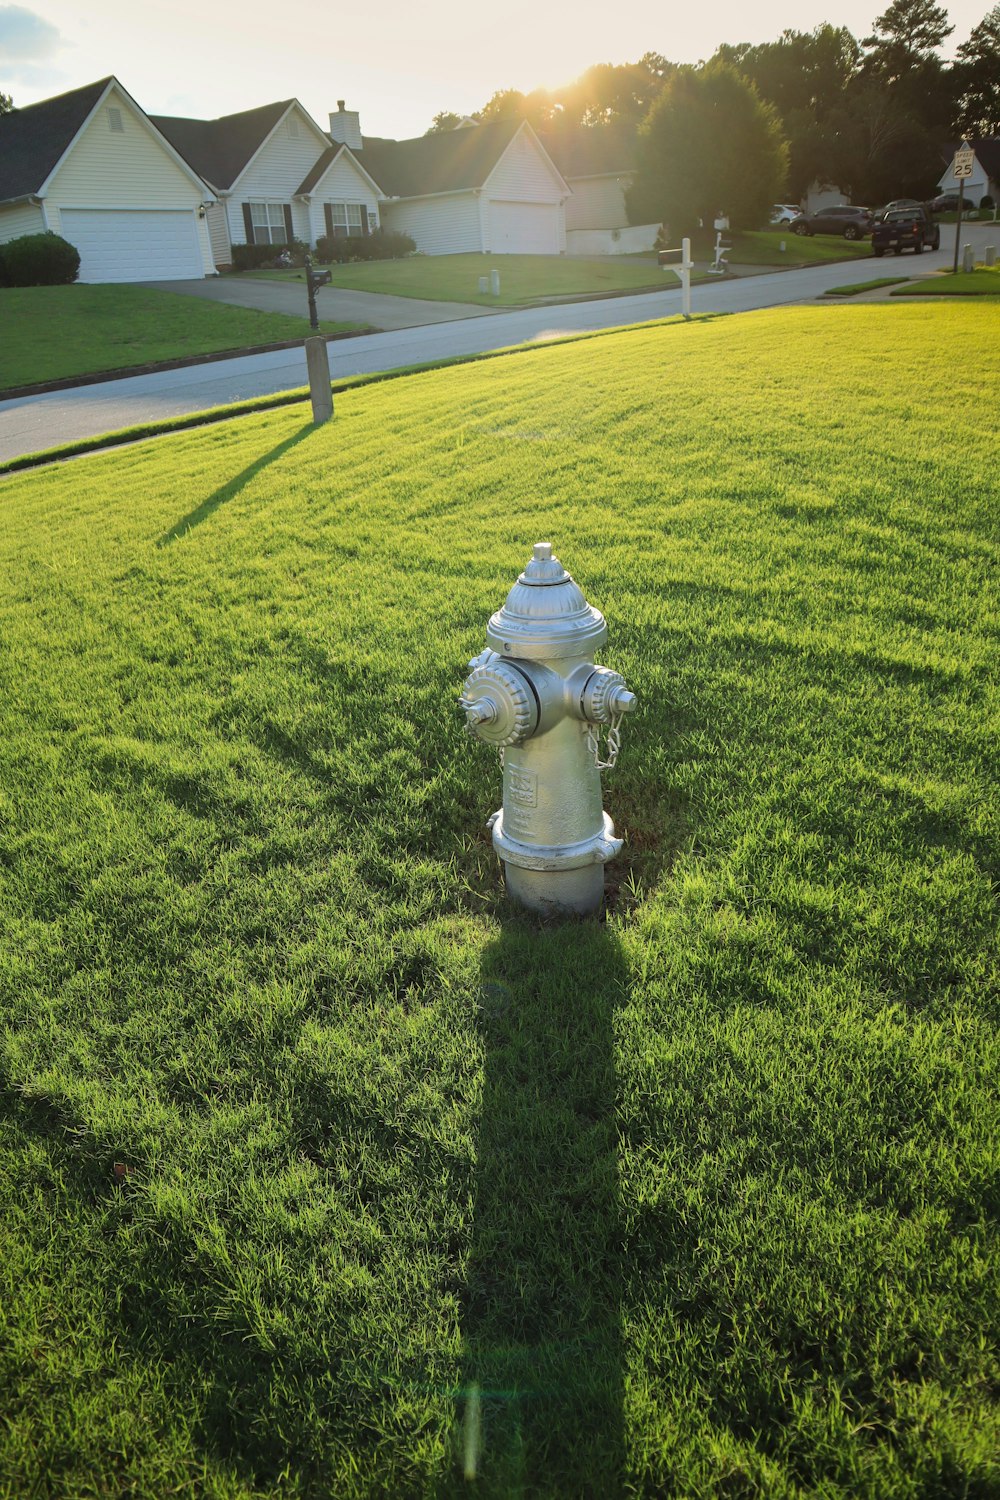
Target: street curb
point(98, 377)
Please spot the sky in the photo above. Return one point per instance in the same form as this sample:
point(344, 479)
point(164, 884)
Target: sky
point(398, 62)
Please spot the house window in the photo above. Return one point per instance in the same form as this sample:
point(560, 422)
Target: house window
point(268, 220)
point(345, 218)
point(115, 121)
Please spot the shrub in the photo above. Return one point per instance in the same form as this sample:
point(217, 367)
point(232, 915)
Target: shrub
point(252, 257)
point(383, 244)
point(39, 260)
point(986, 204)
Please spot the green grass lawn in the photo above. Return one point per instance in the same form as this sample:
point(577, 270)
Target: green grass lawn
point(52, 332)
point(523, 278)
point(864, 286)
point(324, 1174)
point(762, 247)
point(984, 281)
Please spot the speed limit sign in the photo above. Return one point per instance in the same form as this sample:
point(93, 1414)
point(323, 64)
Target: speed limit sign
point(964, 157)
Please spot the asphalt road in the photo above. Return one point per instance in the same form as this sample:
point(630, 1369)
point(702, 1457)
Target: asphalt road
point(30, 424)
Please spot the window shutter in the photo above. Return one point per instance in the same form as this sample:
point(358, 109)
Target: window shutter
point(248, 223)
point(289, 232)
point(364, 219)
point(328, 215)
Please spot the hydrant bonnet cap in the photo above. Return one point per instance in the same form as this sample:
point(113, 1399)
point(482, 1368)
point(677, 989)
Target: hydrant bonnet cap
point(546, 614)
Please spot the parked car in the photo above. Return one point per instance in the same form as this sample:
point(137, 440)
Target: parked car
point(947, 203)
point(843, 218)
point(784, 213)
point(906, 229)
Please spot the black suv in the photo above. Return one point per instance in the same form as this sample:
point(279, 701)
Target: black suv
point(906, 229)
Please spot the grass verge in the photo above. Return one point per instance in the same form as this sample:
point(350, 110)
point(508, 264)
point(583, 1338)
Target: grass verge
point(325, 1174)
point(864, 286)
point(53, 332)
point(984, 281)
point(763, 248)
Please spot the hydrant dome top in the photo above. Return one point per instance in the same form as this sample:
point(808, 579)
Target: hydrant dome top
point(546, 614)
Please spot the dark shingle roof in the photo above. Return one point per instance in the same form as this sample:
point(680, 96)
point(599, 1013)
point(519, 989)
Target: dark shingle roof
point(319, 167)
point(33, 139)
point(590, 150)
point(448, 161)
point(218, 150)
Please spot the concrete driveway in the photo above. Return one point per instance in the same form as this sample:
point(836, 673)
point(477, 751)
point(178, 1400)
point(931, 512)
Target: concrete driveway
point(336, 304)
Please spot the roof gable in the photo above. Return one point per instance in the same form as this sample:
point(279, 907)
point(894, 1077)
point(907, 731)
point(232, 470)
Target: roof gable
point(34, 139)
point(319, 169)
point(448, 161)
point(221, 150)
point(525, 143)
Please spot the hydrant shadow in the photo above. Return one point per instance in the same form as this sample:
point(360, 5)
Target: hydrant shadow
point(542, 1407)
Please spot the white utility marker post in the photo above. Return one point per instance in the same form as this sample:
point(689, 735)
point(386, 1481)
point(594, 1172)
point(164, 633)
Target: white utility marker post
point(683, 267)
point(960, 170)
point(318, 365)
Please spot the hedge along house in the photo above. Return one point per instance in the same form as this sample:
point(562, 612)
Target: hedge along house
point(480, 187)
point(91, 166)
point(256, 163)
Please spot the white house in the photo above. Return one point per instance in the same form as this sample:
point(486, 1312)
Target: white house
point(91, 166)
point(598, 163)
point(481, 187)
point(985, 179)
point(255, 162)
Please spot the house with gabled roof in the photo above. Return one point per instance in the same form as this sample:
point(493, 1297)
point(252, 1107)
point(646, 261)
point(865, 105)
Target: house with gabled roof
point(261, 164)
point(985, 179)
point(598, 162)
point(91, 166)
point(482, 187)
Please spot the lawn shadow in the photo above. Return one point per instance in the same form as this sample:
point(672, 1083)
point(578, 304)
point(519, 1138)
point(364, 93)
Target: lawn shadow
point(231, 487)
point(541, 1409)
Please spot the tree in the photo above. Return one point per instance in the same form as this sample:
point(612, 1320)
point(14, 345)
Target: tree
point(6, 104)
point(978, 71)
point(445, 119)
point(909, 31)
point(710, 144)
point(802, 71)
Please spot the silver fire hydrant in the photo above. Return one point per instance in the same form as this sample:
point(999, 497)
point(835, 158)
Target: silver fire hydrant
point(537, 695)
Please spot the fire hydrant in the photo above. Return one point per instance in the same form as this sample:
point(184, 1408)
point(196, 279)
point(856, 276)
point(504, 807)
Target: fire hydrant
point(537, 695)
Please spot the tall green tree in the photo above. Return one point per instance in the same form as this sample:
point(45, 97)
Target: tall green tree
point(709, 145)
point(978, 70)
point(445, 119)
point(6, 104)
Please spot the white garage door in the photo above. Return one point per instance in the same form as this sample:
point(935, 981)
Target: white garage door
point(134, 244)
point(524, 228)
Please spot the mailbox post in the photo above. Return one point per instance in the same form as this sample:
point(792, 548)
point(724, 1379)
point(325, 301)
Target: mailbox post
point(317, 358)
point(681, 262)
point(314, 280)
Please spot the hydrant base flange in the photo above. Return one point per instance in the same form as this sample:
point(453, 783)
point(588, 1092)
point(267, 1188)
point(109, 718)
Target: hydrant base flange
point(553, 857)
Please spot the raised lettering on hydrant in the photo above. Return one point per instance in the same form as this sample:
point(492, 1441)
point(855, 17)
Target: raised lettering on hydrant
point(537, 695)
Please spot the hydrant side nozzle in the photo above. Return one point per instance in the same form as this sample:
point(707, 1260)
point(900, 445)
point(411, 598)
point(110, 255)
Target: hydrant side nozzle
point(622, 701)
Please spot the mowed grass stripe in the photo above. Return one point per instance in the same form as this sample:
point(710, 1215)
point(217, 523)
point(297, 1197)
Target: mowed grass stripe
point(702, 1201)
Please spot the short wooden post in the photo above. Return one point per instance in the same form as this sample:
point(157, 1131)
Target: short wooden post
point(318, 362)
point(968, 259)
point(495, 283)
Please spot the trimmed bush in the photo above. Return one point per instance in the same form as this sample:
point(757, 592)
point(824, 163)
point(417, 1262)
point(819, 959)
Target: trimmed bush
point(252, 257)
point(384, 244)
point(39, 260)
point(986, 204)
